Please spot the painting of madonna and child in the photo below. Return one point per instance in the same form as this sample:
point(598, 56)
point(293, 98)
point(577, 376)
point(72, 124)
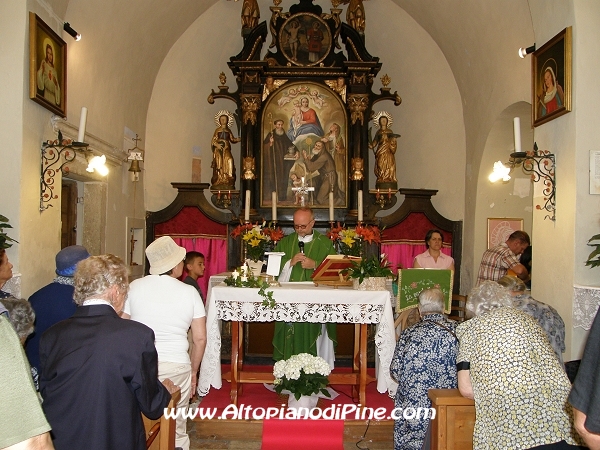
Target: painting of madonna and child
point(304, 141)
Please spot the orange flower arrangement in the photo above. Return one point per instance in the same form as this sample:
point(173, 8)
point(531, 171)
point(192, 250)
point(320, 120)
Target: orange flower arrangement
point(349, 240)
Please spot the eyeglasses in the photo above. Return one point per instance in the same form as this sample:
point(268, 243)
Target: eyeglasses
point(303, 227)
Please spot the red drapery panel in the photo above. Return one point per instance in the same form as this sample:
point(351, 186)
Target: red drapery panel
point(215, 257)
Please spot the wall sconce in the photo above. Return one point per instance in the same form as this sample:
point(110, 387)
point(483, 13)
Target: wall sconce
point(523, 52)
point(135, 156)
point(74, 34)
point(540, 164)
point(55, 156)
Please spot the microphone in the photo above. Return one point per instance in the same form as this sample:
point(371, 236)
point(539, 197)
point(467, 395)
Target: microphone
point(301, 246)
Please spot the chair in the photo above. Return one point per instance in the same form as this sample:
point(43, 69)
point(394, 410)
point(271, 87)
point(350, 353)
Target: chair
point(405, 319)
point(458, 309)
point(161, 428)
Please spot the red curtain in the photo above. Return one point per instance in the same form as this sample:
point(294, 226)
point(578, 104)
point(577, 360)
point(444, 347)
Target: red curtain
point(401, 255)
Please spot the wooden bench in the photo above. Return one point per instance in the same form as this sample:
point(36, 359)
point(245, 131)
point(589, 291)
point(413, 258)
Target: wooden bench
point(452, 428)
point(160, 433)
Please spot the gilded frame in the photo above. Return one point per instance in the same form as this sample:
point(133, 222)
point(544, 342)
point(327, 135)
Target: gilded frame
point(280, 160)
point(299, 34)
point(499, 228)
point(50, 90)
point(552, 63)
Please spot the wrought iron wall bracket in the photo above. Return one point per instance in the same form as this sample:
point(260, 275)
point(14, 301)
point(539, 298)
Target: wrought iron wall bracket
point(56, 155)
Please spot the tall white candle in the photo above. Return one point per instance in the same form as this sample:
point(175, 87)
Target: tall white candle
point(82, 122)
point(247, 206)
point(517, 131)
point(331, 216)
point(360, 206)
point(274, 206)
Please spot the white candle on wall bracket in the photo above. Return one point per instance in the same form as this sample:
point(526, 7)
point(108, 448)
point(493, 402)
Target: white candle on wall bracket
point(274, 206)
point(517, 132)
point(82, 122)
point(331, 213)
point(247, 206)
point(360, 206)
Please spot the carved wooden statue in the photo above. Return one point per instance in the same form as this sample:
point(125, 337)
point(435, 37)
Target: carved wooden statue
point(222, 164)
point(384, 146)
point(250, 14)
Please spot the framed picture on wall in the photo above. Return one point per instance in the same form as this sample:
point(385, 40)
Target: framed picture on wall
point(500, 228)
point(47, 67)
point(551, 78)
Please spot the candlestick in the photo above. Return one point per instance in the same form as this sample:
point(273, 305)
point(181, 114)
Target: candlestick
point(360, 206)
point(331, 213)
point(247, 207)
point(517, 132)
point(274, 206)
point(82, 122)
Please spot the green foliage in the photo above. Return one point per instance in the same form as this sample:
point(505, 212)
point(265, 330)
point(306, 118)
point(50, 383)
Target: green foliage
point(594, 257)
point(370, 267)
point(251, 282)
point(5, 240)
point(305, 385)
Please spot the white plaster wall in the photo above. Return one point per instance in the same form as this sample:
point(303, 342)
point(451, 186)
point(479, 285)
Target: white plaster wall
point(429, 118)
point(498, 199)
point(554, 242)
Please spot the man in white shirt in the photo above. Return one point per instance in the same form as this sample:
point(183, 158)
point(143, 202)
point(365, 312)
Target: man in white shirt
point(170, 307)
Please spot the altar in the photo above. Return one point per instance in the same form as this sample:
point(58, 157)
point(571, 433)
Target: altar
point(299, 302)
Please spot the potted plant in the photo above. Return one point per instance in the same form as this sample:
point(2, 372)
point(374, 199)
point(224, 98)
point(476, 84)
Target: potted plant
point(594, 257)
point(303, 376)
point(5, 240)
point(257, 239)
point(349, 241)
point(369, 274)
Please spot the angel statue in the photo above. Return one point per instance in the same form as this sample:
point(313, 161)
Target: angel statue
point(355, 15)
point(384, 146)
point(222, 164)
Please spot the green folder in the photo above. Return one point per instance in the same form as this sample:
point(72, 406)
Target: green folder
point(412, 281)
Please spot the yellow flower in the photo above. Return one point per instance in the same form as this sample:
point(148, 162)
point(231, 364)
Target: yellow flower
point(254, 242)
point(348, 241)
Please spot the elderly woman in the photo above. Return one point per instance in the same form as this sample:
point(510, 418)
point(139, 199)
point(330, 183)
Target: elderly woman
point(545, 315)
point(5, 272)
point(22, 317)
point(507, 365)
point(98, 371)
point(433, 258)
point(425, 358)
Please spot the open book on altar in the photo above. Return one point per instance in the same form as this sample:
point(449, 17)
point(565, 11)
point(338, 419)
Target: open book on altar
point(328, 271)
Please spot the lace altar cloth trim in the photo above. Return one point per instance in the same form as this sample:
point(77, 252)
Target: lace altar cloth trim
point(586, 300)
point(299, 312)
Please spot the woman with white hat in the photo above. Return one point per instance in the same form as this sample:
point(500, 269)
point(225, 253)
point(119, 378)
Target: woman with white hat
point(170, 307)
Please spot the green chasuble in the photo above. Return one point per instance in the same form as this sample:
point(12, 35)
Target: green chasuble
point(301, 337)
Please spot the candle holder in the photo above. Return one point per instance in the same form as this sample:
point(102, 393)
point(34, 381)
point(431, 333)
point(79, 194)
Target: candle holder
point(384, 199)
point(226, 199)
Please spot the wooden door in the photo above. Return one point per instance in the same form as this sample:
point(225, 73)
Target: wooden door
point(68, 210)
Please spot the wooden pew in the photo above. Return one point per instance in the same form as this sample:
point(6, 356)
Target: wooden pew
point(452, 428)
point(160, 433)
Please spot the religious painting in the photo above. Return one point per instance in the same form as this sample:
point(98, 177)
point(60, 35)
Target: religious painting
point(47, 67)
point(551, 78)
point(304, 136)
point(499, 229)
point(305, 39)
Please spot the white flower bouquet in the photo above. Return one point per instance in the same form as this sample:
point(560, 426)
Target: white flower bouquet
point(302, 374)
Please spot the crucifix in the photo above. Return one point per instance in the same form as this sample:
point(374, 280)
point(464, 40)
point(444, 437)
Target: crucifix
point(302, 191)
point(132, 241)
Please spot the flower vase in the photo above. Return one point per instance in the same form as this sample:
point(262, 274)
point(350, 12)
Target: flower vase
point(255, 267)
point(306, 401)
point(370, 284)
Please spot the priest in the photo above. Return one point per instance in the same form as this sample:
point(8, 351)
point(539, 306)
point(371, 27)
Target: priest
point(304, 251)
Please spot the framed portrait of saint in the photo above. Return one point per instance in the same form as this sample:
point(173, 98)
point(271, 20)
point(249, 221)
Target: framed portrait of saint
point(305, 39)
point(304, 138)
point(551, 76)
point(47, 67)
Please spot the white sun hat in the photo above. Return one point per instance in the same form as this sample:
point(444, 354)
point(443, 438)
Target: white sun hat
point(164, 254)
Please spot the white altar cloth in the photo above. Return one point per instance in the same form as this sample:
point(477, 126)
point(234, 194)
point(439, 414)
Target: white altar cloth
point(299, 302)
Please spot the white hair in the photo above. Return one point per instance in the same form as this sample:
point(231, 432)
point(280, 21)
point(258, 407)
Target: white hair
point(487, 296)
